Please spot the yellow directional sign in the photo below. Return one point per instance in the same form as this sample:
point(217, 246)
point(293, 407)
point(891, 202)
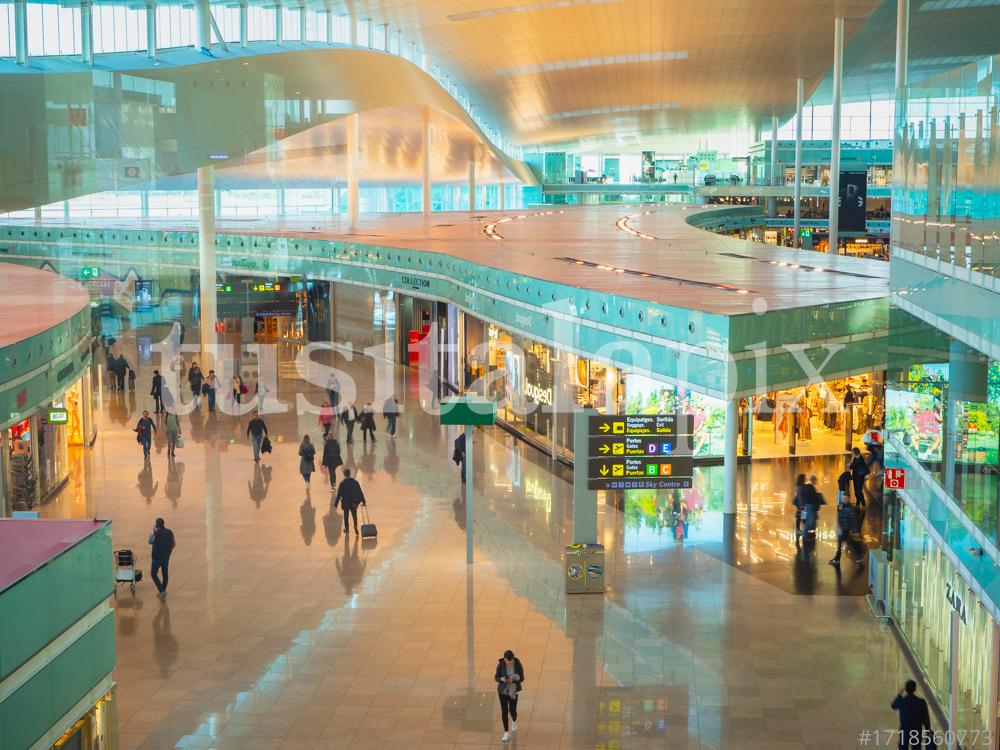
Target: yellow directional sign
point(618, 449)
point(604, 427)
point(604, 448)
point(604, 470)
point(618, 470)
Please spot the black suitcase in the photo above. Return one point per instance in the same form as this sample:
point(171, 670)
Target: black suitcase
point(368, 529)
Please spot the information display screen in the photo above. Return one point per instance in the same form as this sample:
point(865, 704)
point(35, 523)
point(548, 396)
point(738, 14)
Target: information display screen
point(643, 451)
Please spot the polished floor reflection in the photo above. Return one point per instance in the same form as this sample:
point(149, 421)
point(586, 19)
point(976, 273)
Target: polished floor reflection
point(280, 631)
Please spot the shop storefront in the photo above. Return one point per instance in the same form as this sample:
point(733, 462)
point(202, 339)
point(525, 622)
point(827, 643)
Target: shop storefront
point(94, 730)
point(949, 632)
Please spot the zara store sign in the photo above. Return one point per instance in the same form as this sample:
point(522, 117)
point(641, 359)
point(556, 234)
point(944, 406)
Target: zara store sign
point(956, 601)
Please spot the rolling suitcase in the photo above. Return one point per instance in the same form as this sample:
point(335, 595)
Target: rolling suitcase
point(368, 530)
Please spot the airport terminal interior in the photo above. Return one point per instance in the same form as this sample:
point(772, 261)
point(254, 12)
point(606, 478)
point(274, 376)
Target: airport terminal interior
point(456, 374)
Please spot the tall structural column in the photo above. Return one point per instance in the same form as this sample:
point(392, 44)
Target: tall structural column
point(838, 77)
point(329, 25)
point(472, 185)
point(902, 62)
point(353, 147)
point(729, 458)
point(797, 194)
point(151, 29)
point(244, 12)
point(21, 32)
point(87, 33)
point(772, 203)
point(279, 13)
point(206, 262)
point(203, 24)
point(425, 196)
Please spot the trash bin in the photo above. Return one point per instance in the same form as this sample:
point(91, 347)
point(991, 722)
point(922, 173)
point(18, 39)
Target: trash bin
point(585, 569)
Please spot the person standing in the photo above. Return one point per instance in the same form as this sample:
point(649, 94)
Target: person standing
point(333, 390)
point(914, 718)
point(350, 417)
point(156, 391)
point(307, 455)
point(848, 526)
point(326, 418)
point(195, 379)
point(349, 497)
point(332, 458)
point(391, 411)
point(368, 423)
point(173, 428)
point(859, 470)
point(509, 677)
point(798, 500)
point(812, 499)
point(162, 541)
point(209, 388)
point(238, 388)
point(458, 454)
point(256, 431)
point(144, 430)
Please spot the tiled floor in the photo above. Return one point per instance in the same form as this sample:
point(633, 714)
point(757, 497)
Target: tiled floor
point(280, 632)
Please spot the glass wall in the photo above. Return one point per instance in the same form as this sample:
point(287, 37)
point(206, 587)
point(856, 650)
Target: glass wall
point(943, 408)
point(924, 592)
point(946, 178)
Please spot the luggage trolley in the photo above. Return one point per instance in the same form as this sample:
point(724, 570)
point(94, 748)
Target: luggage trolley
point(125, 571)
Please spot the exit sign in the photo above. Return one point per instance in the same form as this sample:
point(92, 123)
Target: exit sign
point(91, 272)
point(895, 479)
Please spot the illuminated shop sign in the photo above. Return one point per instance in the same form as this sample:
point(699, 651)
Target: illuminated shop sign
point(415, 281)
point(57, 416)
point(537, 394)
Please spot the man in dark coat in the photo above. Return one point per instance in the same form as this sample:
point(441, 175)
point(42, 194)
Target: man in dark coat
point(349, 497)
point(914, 718)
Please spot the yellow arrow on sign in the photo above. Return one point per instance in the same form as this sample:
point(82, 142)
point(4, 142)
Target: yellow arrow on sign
point(604, 448)
point(604, 427)
point(604, 470)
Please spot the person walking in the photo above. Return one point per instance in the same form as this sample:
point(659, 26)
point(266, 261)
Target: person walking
point(391, 412)
point(798, 500)
point(914, 718)
point(332, 458)
point(859, 470)
point(162, 541)
point(209, 388)
point(195, 379)
point(156, 391)
point(326, 418)
point(812, 499)
point(333, 390)
point(172, 425)
point(349, 417)
point(307, 455)
point(144, 430)
point(848, 528)
point(121, 370)
point(368, 423)
point(256, 431)
point(510, 678)
point(458, 454)
point(349, 497)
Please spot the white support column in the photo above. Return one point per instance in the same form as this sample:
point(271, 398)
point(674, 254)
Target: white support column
point(278, 33)
point(151, 29)
point(729, 460)
point(352, 31)
point(87, 33)
point(838, 75)
point(329, 25)
point(469, 483)
point(244, 35)
point(797, 195)
point(472, 185)
point(426, 184)
point(302, 24)
point(206, 261)
point(21, 32)
point(203, 24)
point(902, 42)
point(371, 33)
point(772, 203)
point(501, 197)
point(353, 153)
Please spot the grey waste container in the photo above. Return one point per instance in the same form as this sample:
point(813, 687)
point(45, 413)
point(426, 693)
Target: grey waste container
point(584, 569)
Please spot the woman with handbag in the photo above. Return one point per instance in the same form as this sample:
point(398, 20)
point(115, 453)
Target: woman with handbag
point(307, 454)
point(332, 458)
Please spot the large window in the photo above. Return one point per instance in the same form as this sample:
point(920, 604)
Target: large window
point(52, 29)
point(228, 19)
point(118, 28)
point(315, 26)
point(175, 26)
point(290, 19)
point(7, 43)
point(260, 23)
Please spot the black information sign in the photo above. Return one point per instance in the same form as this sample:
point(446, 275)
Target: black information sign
point(643, 451)
point(851, 199)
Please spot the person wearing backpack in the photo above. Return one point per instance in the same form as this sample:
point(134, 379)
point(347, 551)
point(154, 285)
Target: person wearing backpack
point(510, 679)
point(859, 470)
point(307, 454)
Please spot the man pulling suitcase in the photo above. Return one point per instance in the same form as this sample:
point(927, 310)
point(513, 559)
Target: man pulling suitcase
point(349, 497)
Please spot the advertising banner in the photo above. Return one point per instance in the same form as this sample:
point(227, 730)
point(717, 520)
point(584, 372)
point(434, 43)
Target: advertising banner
point(851, 199)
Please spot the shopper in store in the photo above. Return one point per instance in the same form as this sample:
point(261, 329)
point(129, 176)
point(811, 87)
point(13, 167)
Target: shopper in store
point(326, 418)
point(510, 678)
point(307, 456)
point(848, 531)
point(156, 391)
point(333, 391)
point(195, 380)
point(390, 410)
point(144, 430)
point(798, 500)
point(349, 497)
point(172, 425)
point(209, 388)
point(859, 470)
point(458, 453)
point(256, 431)
point(812, 499)
point(368, 423)
point(162, 541)
point(332, 459)
point(914, 718)
point(349, 417)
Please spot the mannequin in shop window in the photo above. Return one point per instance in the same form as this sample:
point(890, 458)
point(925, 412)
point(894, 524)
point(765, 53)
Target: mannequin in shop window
point(803, 420)
point(785, 423)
